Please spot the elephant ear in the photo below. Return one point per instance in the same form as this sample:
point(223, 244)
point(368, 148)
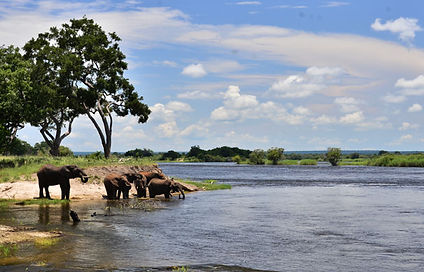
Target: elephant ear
point(66, 171)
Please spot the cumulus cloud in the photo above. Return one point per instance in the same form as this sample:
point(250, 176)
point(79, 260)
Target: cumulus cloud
point(238, 106)
point(404, 27)
point(194, 70)
point(169, 111)
point(415, 108)
point(347, 104)
point(313, 80)
point(352, 118)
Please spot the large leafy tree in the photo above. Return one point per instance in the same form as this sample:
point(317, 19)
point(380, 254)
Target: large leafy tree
point(54, 93)
point(92, 66)
point(334, 155)
point(275, 154)
point(14, 87)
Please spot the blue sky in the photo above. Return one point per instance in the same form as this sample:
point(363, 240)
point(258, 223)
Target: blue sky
point(302, 75)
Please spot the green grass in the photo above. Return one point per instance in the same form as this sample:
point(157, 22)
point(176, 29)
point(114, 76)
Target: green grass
point(308, 162)
point(27, 165)
point(180, 268)
point(7, 250)
point(208, 185)
point(43, 201)
point(288, 162)
point(360, 161)
point(45, 242)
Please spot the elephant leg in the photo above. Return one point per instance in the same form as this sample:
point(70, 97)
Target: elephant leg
point(41, 194)
point(119, 194)
point(65, 188)
point(47, 192)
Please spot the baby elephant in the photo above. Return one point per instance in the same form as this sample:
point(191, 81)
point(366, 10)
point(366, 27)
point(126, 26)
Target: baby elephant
point(51, 175)
point(164, 186)
point(117, 183)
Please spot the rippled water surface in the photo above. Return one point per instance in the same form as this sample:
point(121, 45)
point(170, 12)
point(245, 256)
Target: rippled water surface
point(277, 218)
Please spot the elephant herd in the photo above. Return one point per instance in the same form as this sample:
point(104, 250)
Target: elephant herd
point(155, 181)
point(115, 183)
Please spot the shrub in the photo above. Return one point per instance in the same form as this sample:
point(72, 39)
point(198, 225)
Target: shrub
point(333, 155)
point(275, 154)
point(257, 157)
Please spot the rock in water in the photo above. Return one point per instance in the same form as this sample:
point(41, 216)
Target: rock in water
point(74, 216)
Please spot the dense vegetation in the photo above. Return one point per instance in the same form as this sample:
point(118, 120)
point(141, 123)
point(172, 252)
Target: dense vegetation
point(72, 70)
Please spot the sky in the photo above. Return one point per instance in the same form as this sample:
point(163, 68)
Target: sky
point(301, 75)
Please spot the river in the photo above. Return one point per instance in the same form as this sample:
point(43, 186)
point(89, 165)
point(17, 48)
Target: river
point(275, 218)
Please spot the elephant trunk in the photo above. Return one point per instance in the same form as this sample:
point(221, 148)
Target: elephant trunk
point(181, 193)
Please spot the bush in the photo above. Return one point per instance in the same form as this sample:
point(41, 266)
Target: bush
point(334, 155)
point(275, 154)
point(257, 157)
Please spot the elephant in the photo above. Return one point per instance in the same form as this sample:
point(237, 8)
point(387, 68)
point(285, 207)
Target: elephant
point(117, 183)
point(141, 185)
point(164, 186)
point(52, 175)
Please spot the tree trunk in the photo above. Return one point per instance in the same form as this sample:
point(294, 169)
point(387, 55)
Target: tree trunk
point(54, 141)
point(106, 136)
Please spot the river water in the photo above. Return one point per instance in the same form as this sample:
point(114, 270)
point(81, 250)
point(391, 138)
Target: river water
point(275, 218)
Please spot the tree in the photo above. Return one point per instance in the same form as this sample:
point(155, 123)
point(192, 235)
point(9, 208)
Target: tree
point(333, 155)
point(170, 155)
point(139, 153)
point(197, 152)
point(55, 91)
point(98, 65)
point(14, 86)
point(257, 156)
point(275, 154)
point(19, 148)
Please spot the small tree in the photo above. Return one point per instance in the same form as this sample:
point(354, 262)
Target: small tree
point(139, 153)
point(334, 155)
point(275, 154)
point(257, 157)
point(236, 159)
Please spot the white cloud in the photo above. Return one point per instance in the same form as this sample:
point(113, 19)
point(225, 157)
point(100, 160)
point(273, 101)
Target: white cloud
point(324, 71)
point(244, 3)
point(415, 108)
point(301, 110)
point(417, 82)
point(233, 99)
point(407, 126)
point(167, 130)
point(295, 86)
point(169, 111)
point(347, 104)
point(352, 118)
point(334, 4)
point(324, 120)
point(194, 70)
point(390, 98)
point(405, 27)
point(406, 137)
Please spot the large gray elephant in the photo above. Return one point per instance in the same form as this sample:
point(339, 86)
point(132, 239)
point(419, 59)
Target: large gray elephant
point(116, 183)
point(164, 186)
point(50, 175)
point(141, 185)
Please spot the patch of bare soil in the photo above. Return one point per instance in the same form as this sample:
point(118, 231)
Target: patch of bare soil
point(93, 189)
point(21, 234)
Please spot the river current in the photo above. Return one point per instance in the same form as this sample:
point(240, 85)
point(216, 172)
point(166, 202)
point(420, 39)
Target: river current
point(275, 218)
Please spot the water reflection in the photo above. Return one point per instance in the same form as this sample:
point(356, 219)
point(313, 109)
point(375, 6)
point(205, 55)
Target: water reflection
point(44, 212)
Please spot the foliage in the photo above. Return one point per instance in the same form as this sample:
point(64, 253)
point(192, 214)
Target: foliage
point(97, 67)
point(275, 154)
point(7, 250)
point(14, 87)
point(236, 159)
point(228, 152)
point(45, 242)
point(170, 155)
point(257, 157)
point(396, 160)
point(289, 162)
point(333, 155)
point(139, 153)
point(19, 148)
point(197, 152)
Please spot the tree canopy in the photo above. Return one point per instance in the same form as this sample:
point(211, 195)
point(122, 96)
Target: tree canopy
point(275, 154)
point(82, 68)
point(334, 155)
point(14, 87)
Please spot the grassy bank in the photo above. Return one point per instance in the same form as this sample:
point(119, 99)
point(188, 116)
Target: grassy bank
point(398, 160)
point(12, 168)
point(208, 185)
point(44, 201)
